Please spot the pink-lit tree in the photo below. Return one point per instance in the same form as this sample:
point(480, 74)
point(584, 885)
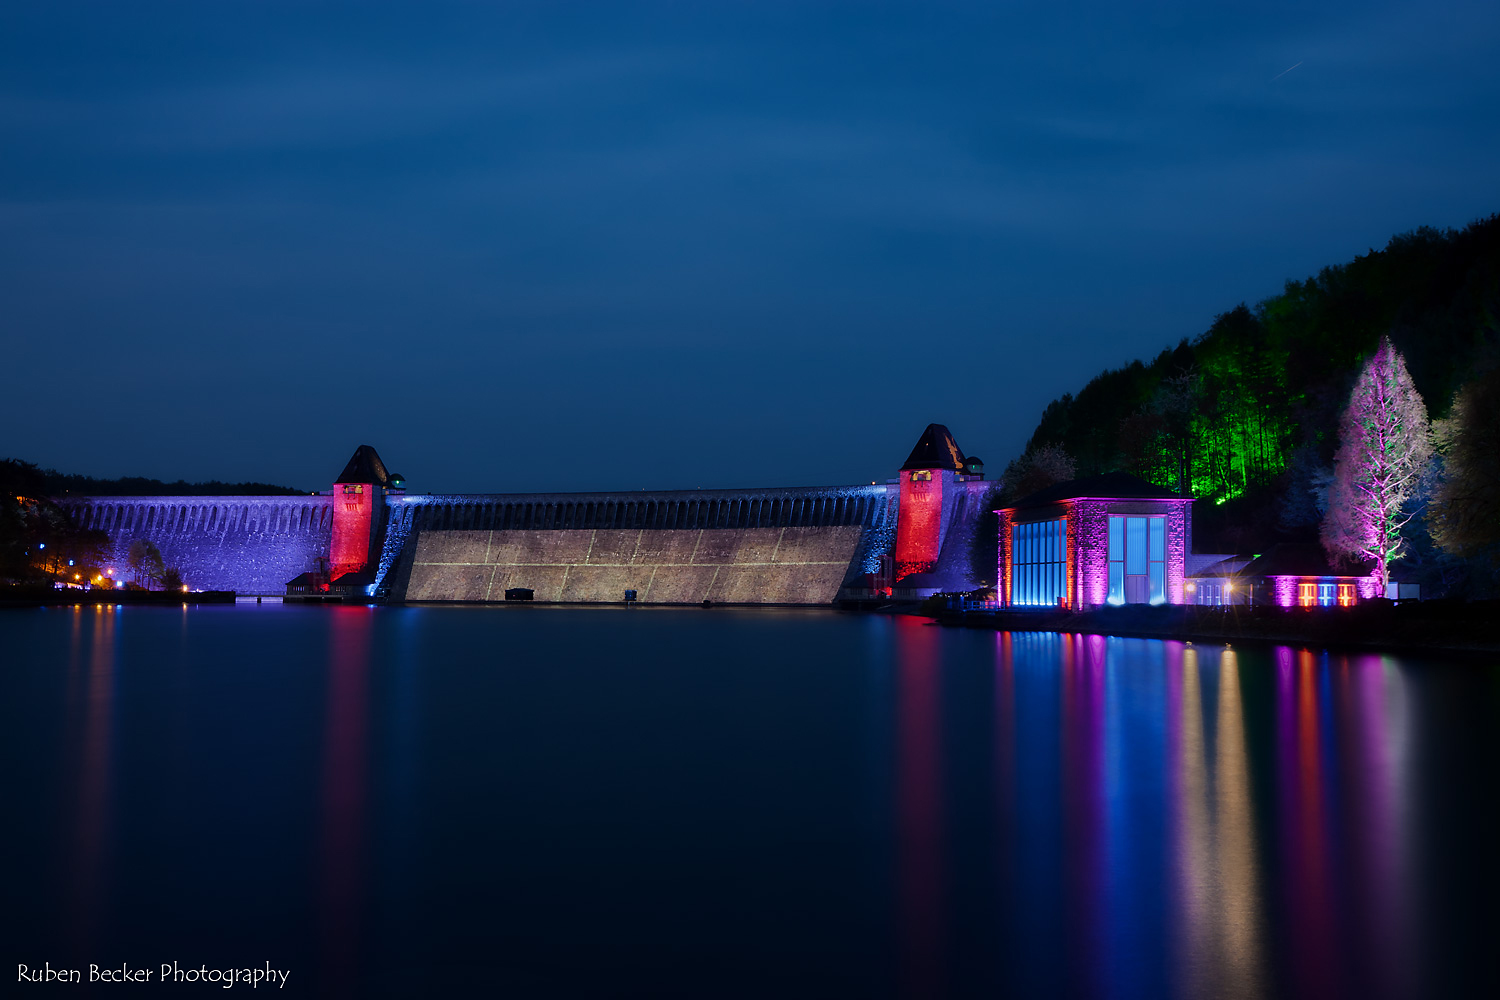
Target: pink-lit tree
point(1385, 442)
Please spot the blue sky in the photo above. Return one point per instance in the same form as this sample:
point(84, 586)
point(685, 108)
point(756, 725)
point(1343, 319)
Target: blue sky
point(628, 246)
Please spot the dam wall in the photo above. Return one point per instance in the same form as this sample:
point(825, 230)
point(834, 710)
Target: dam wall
point(763, 546)
point(769, 546)
point(954, 570)
point(252, 545)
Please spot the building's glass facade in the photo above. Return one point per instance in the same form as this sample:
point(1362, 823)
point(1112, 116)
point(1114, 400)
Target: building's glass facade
point(1039, 563)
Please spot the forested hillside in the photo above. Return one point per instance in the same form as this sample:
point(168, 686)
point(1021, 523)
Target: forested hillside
point(1245, 415)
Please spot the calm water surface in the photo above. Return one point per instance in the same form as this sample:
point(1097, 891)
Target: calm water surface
point(550, 802)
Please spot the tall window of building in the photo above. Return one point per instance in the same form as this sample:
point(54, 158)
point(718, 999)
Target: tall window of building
point(1039, 563)
point(1137, 560)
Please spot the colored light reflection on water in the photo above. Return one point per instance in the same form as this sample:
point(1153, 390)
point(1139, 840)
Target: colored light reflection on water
point(548, 802)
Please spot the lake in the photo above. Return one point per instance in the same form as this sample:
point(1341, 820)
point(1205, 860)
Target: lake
point(536, 801)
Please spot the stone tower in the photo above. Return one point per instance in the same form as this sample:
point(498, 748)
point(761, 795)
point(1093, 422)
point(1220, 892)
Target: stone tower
point(929, 473)
point(358, 505)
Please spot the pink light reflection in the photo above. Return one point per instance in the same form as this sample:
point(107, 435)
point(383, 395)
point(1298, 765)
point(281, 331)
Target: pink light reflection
point(919, 804)
point(345, 771)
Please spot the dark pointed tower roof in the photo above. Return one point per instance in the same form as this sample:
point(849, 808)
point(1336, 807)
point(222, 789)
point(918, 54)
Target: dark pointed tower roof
point(364, 467)
point(935, 450)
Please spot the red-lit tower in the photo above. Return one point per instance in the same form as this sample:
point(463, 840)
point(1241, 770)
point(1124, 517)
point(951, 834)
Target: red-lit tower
point(358, 501)
point(928, 474)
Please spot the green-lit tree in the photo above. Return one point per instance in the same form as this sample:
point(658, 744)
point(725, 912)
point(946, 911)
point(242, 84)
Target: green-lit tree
point(1385, 443)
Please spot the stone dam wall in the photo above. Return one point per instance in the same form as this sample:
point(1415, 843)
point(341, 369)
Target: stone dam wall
point(786, 546)
point(775, 546)
point(686, 566)
point(252, 545)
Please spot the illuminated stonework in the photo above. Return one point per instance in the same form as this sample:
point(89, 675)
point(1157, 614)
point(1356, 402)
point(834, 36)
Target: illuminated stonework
point(1126, 541)
point(920, 524)
point(357, 496)
point(249, 544)
point(367, 531)
point(936, 482)
point(1299, 575)
point(352, 508)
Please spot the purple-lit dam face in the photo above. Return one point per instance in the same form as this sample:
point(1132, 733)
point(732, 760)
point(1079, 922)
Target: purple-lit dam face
point(538, 801)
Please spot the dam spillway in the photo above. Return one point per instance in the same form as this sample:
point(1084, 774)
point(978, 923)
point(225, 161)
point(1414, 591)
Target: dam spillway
point(770, 546)
point(252, 545)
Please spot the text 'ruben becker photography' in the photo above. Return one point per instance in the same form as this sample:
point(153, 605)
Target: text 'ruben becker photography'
point(168, 972)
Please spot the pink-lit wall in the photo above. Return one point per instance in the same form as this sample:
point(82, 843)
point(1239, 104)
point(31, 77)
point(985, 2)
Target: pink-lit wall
point(1284, 588)
point(1092, 551)
point(1002, 568)
point(1177, 549)
point(919, 522)
point(349, 551)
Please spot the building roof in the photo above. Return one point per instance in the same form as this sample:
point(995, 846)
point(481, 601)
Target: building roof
point(358, 578)
point(936, 449)
point(1229, 566)
point(1111, 485)
point(1301, 559)
point(364, 467)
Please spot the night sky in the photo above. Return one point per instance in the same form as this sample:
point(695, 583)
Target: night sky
point(530, 247)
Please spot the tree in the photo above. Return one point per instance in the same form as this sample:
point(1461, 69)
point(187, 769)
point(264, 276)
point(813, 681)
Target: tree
point(984, 550)
point(1041, 466)
point(37, 537)
point(1465, 512)
point(1038, 469)
point(144, 558)
point(171, 579)
point(1385, 443)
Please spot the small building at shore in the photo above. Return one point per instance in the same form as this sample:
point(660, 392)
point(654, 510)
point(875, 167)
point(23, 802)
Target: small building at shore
point(1290, 575)
point(1108, 539)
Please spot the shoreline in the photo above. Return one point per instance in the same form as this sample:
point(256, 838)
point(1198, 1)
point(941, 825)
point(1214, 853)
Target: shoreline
point(48, 597)
point(1434, 626)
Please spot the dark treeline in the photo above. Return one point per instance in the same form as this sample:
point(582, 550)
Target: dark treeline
point(40, 541)
point(58, 485)
point(1245, 415)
